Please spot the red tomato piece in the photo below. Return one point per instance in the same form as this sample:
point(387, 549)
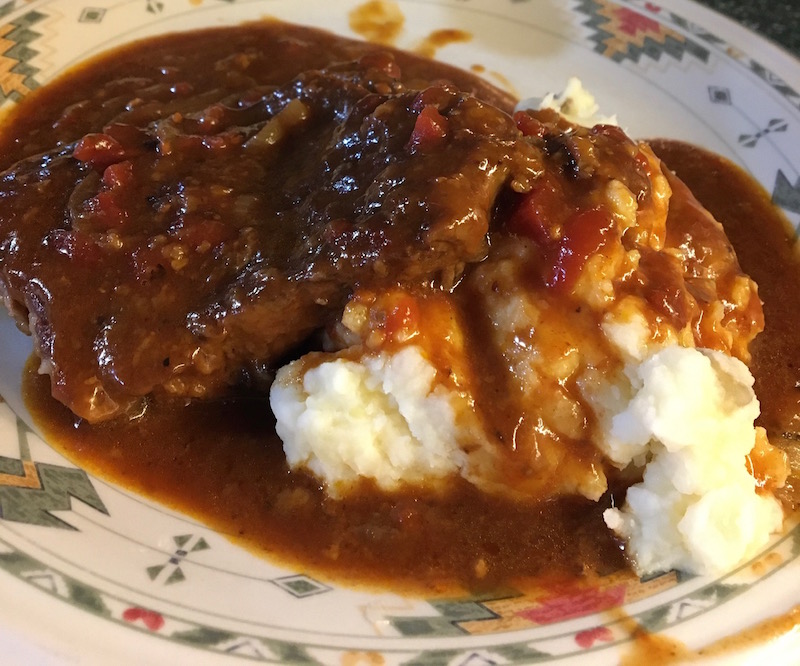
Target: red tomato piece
point(106, 211)
point(541, 212)
point(118, 175)
point(528, 125)
point(585, 234)
point(98, 150)
point(429, 129)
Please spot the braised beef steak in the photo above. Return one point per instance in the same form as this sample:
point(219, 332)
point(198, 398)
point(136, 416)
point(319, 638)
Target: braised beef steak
point(189, 235)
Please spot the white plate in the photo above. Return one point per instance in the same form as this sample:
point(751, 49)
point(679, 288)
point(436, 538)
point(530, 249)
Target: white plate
point(98, 575)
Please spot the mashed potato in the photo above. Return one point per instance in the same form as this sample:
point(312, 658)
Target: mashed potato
point(595, 377)
point(384, 417)
point(697, 508)
point(575, 103)
point(689, 414)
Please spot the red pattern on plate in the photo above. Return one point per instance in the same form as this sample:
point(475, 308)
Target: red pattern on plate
point(569, 604)
point(152, 620)
point(589, 637)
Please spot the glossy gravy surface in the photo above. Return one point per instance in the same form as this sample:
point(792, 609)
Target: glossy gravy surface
point(222, 462)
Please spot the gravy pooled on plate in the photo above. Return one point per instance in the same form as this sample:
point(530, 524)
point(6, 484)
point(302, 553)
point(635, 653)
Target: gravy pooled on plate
point(177, 224)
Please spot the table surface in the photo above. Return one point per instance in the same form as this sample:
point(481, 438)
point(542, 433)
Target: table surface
point(778, 20)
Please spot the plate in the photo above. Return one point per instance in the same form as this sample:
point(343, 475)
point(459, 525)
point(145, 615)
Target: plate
point(99, 575)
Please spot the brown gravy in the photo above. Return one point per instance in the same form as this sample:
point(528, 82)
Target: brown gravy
point(767, 253)
point(377, 21)
point(659, 650)
point(223, 463)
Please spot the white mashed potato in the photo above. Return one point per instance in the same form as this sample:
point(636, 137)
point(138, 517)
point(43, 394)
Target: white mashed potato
point(683, 415)
point(384, 418)
point(689, 413)
point(697, 508)
point(575, 103)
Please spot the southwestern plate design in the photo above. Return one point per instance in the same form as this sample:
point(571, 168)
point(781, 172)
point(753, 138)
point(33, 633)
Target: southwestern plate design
point(30, 492)
point(17, 73)
point(510, 628)
point(621, 33)
point(171, 572)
